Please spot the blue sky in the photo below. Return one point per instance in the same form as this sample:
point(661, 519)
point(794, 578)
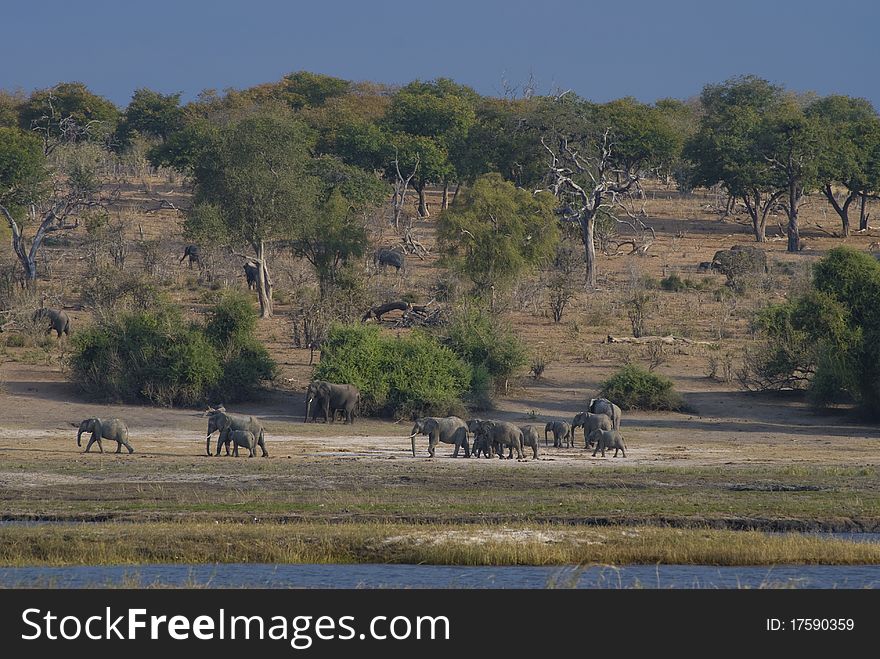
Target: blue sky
point(601, 50)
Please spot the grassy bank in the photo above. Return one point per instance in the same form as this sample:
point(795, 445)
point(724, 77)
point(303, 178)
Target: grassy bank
point(450, 544)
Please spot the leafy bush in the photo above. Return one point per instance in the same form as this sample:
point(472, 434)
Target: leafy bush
point(634, 388)
point(477, 337)
point(403, 377)
point(154, 355)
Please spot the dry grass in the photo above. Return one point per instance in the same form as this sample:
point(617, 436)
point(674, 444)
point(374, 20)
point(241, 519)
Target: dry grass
point(106, 544)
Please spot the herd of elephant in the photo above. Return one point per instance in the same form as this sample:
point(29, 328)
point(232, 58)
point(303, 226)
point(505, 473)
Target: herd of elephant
point(601, 424)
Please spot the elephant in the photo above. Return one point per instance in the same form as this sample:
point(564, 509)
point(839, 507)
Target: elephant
point(243, 438)
point(480, 445)
point(57, 320)
point(449, 430)
point(608, 439)
point(193, 253)
point(330, 397)
point(605, 406)
point(562, 431)
point(252, 273)
point(530, 438)
point(112, 429)
point(219, 419)
point(500, 434)
point(590, 422)
point(386, 256)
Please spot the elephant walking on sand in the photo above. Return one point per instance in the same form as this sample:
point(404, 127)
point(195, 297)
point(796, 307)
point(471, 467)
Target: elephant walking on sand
point(608, 439)
point(449, 430)
point(328, 397)
point(605, 406)
point(219, 419)
point(112, 429)
point(562, 432)
point(590, 422)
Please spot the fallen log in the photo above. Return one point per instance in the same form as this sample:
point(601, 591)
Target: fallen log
point(667, 340)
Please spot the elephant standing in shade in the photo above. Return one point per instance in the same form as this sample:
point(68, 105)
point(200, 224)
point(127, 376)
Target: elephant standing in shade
point(385, 257)
point(605, 406)
point(252, 274)
point(243, 438)
point(562, 431)
point(193, 253)
point(608, 439)
point(328, 397)
point(55, 319)
point(449, 430)
point(112, 429)
point(530, 438)
point(590, 422)
point(219, 419)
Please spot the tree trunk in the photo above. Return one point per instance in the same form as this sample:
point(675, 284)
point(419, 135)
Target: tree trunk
point(863, 216)
point(794, 237)
point(587, 226)
point(842, 211)
point(423, 206)
point(758, 215)
point(445, 203)
point(264, 282)
point(455, 192)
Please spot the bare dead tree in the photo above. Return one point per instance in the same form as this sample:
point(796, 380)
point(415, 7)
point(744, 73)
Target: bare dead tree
point(585, 184)
point(644, 234)
point(401, 185)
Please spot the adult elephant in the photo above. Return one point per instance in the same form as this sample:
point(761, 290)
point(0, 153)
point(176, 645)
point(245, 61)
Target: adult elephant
point(329, 397)
point(252, 274)
point(53, 319)
point(530, 438)
point(605, 406)
point(219, 420)
point(449, 430)
point(112, 429)
point(590, 422)
point(194, 255)
point(500, 434)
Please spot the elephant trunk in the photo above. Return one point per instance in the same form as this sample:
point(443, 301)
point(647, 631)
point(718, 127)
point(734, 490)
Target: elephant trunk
point(78, 436)
point(208, 444)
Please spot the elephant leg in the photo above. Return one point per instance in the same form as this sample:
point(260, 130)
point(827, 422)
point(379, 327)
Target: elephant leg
point(262, 442)
point(127, 445)
point(118, 447)
point(467, 448)
point(457, 447)
point(89, 445)
point(235, 451)
point(433, 440)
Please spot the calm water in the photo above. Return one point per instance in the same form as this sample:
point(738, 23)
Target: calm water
point(437, 576)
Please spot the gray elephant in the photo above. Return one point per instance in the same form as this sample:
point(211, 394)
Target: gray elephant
point(530, 438)
point(605, 406)
point(219, 419)
point(608, 439)
point(449, 430)
point(562, 432)
point(53, 319)
point(480, 445)
point(590, 422)
point(243, 438)
point(500, 434)
point(112, 429)
point(252, 274)
point(329, 397)
point(193, 253)
point(386, 256)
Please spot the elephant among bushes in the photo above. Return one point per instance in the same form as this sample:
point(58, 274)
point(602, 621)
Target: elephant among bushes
point(219, 420)
point(449, 430)
point(193, 253)
point(53, 319)
point(328, 398)
point(112, 429)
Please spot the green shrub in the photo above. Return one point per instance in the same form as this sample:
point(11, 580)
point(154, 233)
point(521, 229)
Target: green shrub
point(481, 340)
point(634, 388)
point(154, 355)
point(403, 377)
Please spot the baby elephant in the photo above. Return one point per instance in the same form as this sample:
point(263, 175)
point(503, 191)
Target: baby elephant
point(561, 433)
point(243, 438)
point(608, 439)
point(53, 319)
point(112, 429)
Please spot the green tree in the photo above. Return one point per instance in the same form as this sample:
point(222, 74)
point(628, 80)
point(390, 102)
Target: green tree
point(68, 112)
point(252, 185)
point(849, 133)
point(152, 114)
point(724, 150)
point(28, 198)
point(10, 107)
point(494, 231)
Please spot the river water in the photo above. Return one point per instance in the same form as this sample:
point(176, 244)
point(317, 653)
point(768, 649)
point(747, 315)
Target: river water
point(441, 576)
